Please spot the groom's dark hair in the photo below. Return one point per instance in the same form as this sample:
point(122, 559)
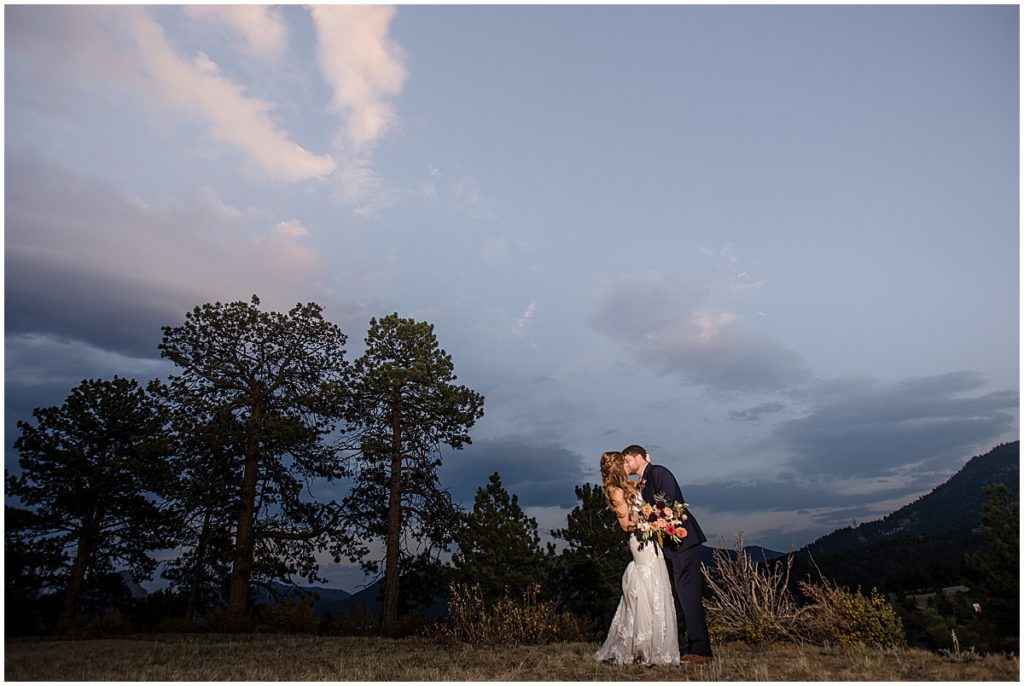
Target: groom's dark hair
point(635, 450)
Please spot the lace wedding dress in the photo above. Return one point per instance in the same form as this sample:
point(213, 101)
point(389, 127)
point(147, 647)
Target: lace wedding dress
point(644, 627)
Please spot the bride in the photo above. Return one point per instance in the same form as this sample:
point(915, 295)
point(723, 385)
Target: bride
point(644, 627)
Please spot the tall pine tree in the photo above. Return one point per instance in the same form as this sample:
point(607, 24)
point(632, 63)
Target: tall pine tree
point(404, 405)
point(266, 388)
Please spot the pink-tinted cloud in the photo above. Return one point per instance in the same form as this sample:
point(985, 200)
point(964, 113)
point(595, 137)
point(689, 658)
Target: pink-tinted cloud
point(364, 67)
point(671, 328)
point(199, 90)
point(124, 50)
point(261, 28)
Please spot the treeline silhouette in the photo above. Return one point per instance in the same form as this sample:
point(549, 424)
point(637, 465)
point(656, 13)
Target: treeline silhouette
point(219, 462)
point(208, 478)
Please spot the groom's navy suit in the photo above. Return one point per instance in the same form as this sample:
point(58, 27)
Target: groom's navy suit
point(682, 560)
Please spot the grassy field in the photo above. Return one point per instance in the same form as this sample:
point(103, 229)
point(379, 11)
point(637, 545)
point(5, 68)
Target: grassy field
point(212, 657)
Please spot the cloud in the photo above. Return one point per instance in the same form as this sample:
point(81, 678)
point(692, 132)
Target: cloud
point(785, 515)
point(781, 496)
point(261, 28)
point(41, 370)
point(673, 329)
point(469, 200)
point(364, 67)
point(540, 474)
point(85, 262)
point(31, 359)
point(123, 50)
point(865, 428)
point(524, 321)
point(753, 414)
point(197, 89)
point(362, 188)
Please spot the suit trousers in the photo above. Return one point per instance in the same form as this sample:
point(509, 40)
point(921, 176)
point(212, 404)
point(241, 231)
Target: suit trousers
point(687, 581)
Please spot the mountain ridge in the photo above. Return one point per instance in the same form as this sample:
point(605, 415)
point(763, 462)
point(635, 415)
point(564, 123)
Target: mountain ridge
point(923, 543)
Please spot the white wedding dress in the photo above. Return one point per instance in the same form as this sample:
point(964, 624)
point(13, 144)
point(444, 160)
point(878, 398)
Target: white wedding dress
point(644, 627)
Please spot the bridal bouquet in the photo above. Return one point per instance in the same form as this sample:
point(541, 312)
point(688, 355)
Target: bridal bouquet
point(660, 520)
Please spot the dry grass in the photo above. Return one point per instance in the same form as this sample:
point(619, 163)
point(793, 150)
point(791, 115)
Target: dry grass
point(215, 657)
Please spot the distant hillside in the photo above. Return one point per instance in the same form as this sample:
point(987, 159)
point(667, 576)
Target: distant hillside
point(755, 552)
point(371, 600)
point(367, 600)
point(922, 544)
point(327, 597)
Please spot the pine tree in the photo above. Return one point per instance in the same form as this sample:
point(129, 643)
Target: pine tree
point(92, 473)
point(591, 565)
point(266, 389)
point(995, 571)
point(499, 546)
point(404, 405)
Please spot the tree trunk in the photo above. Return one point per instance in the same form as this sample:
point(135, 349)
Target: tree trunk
point(197, 572)
point(75, 580)
point(241, 568)
point(391, 570)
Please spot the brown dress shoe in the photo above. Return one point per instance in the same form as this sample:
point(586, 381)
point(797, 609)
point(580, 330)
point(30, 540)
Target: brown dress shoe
point(692, 659)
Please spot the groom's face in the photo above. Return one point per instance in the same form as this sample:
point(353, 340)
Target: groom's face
point(632, 463)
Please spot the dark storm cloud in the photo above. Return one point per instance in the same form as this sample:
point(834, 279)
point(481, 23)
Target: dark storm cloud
point(672, 329)
point(878, 429)
point(47, 295)
point(86, 262)
point(542, 475)
point(759, 496)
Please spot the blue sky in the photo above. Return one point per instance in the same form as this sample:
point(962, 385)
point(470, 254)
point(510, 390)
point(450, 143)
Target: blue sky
point(778, 246)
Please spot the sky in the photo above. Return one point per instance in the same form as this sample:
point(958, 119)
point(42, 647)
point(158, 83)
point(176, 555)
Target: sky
point(778, 246)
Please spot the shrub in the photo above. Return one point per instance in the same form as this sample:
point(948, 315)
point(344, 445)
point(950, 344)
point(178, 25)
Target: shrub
point(844, 617)
point(110, 623)
point(177, 625)
point(508, 621)
point(221, 622)
point(957, 655)
point(361, 622)
point(291, 617)
point(750, 602)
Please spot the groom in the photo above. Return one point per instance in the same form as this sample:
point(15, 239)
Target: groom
point(682, 559)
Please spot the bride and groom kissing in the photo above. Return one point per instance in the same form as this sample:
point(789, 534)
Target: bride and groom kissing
point(663, 582)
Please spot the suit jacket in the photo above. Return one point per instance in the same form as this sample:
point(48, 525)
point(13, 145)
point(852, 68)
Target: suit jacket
point(658, 479)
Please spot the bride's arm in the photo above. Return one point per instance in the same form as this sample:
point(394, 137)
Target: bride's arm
point(621, 510)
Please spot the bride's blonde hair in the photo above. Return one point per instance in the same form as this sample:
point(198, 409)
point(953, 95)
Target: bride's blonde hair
point(613, 472)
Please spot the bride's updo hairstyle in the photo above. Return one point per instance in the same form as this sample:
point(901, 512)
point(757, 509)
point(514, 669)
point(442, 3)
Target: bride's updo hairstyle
point(613, 471)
